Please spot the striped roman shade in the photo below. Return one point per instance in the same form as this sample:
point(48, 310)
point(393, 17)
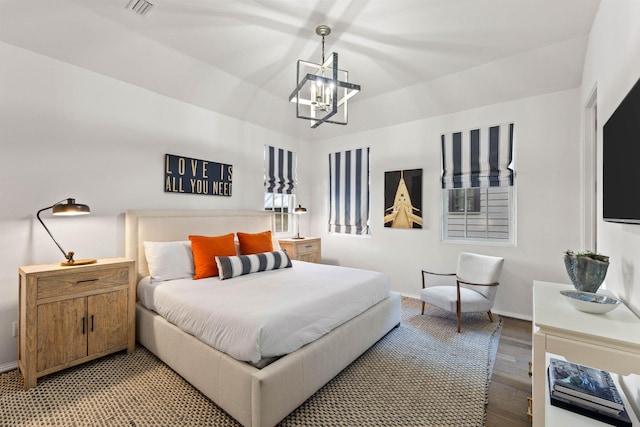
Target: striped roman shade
point(280, 170)
point(349, 192)
point(478, 158)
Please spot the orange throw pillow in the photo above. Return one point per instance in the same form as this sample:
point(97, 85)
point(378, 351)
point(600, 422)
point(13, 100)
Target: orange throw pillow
point(256, 243)
point(205, 249)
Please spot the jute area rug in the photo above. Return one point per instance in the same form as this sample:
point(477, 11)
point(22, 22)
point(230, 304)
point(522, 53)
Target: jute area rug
point(421, 374)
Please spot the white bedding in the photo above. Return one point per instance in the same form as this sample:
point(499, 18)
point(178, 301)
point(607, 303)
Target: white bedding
point(266, 314)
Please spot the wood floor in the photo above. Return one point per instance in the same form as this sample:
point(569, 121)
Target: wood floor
point(510, 384)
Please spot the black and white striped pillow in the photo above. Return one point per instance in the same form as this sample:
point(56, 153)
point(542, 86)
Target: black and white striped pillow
point(232, 266)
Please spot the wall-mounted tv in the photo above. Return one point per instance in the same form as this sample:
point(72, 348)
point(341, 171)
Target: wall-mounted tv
point(621, 161)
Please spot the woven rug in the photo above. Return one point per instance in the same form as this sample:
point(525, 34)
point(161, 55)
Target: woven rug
point(421, 374)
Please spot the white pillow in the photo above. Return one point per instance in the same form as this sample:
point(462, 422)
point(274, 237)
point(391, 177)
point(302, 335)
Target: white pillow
point(169, 260)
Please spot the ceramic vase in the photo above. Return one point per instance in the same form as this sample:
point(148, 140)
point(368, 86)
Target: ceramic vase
point(586, 274)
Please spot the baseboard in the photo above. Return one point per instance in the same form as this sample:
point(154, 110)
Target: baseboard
point(9, 366)
point(500, 312)
point(513, 315)
point(409, 295)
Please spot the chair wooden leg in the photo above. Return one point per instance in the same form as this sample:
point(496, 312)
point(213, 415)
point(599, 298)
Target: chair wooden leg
point(490, 315)
point(422, 307)
point(458, 306)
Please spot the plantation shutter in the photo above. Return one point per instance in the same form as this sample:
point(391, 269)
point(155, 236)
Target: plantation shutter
point(349, 192)
point(280, 170)
point(478, 158)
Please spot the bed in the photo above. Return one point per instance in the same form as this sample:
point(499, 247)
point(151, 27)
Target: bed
point(254, 396)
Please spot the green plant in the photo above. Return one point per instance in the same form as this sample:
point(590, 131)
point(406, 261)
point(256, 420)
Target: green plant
point(587, 254)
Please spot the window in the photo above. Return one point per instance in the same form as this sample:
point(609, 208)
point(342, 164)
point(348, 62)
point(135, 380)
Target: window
point(349, 192)
point(477, 182)
point(282, 207)
point(478, 213)
point(279, 181)
point(463, 200)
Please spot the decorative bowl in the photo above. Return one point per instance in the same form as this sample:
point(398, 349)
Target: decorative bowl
point(590, 302)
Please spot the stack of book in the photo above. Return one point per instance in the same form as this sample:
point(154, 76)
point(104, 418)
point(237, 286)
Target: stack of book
point(587, 391)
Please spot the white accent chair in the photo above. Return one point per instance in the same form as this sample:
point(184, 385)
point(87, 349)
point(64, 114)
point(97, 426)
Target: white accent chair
point(471, 289)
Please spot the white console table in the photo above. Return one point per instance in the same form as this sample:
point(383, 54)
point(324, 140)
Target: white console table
point(608, 341)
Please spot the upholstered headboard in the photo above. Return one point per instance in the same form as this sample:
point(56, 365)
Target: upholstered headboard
point(171, 225)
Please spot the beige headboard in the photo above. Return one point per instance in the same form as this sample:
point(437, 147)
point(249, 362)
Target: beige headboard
point(170, 225)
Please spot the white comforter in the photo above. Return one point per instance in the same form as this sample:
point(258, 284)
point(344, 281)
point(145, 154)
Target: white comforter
point(266, 314)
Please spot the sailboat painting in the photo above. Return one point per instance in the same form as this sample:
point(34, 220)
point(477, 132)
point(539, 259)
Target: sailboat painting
point(403, 199)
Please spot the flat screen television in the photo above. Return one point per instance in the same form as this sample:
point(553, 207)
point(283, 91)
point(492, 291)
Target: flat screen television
point(621, 161)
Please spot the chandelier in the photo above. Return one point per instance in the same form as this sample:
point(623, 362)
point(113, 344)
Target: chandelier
point(322, 90)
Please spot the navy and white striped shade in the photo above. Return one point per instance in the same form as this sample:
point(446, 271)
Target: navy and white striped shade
point(349, 192)
point(280, 170)
point(478, 158)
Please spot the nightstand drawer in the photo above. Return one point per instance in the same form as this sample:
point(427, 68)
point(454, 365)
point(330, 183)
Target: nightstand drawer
point(308, 247)
point(72, 283)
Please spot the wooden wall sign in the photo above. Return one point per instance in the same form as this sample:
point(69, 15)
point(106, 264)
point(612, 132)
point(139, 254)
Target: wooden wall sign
point(194, 176)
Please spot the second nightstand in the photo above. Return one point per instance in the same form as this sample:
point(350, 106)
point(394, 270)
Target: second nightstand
point(305, 249)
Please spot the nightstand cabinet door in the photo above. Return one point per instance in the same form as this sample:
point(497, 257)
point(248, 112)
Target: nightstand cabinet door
point(62, 336)
point(107, 322)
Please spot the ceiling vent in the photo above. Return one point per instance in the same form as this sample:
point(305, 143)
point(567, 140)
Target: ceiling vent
point(141, 7)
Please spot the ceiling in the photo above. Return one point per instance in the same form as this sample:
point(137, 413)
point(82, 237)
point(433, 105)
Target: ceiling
point(393, 49)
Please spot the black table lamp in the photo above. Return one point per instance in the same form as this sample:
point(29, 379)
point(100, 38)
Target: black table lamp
point(67, 207)
point(299, 211)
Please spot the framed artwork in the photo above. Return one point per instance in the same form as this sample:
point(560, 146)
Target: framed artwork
point(195, 176)
point(403, 199)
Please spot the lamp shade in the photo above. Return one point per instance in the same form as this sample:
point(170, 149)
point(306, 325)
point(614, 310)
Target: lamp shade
point(70, 208)
point(300, 210)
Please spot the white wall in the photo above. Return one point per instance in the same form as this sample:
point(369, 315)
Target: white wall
point(547, 197)
point(68, 132)
point(612, 66)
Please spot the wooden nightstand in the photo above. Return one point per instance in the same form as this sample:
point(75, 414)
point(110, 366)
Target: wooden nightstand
point(70, 315)
point(305, 249)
